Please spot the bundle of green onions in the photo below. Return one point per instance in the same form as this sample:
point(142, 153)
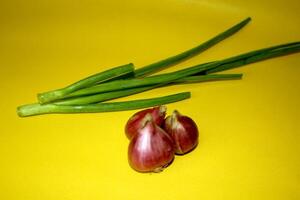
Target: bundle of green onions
point(88, 95)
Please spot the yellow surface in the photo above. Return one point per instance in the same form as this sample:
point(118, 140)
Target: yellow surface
point(249, 143)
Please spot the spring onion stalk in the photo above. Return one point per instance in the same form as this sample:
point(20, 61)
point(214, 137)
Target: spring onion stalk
point(86, 82)
point(96, 98)
point(154, 67)
point(116, 72)
point(231, 62)
point(255, 56)
point(140, 82)
point(38, 109)
point(102, 96)
point(208, 77)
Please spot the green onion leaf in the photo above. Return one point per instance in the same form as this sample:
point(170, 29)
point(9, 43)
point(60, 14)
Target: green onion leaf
point(38, 109)
point(86, 82)
point(154, 67)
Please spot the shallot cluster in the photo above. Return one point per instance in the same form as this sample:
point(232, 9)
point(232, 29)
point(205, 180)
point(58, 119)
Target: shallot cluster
point(155, 138)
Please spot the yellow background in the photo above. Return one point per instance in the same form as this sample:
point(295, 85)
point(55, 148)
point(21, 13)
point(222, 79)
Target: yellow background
point(249, 129)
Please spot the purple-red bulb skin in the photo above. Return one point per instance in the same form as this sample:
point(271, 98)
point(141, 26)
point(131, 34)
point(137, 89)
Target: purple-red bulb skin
point(136, 121)
point(184, 132)
point(151, 149)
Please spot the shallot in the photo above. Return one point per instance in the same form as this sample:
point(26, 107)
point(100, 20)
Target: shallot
point(183, 130)
point(151, 149)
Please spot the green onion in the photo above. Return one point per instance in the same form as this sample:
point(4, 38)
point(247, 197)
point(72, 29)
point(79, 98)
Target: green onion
point(122, 93)
point(86, 82)
point(231, 62)
point(38, 109)
point(255, 56)
point(102, 96)
point(139, 82)
point(81, 96)
point(123, 70)
point(113, 73)
point(154, 67)
point(208, 77)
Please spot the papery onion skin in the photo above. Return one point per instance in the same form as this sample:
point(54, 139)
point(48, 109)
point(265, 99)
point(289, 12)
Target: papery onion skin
point(151, 149)
point(184, 132)
point(135, 122)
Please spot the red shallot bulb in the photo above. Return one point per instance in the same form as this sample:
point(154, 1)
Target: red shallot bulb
point(151, 149)
point(183, 130)
point(137, 120)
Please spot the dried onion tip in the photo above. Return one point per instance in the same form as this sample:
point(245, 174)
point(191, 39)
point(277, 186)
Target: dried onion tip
point(137, 120)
